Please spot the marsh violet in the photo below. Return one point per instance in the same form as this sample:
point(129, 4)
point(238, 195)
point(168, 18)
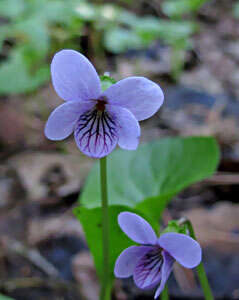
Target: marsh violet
point(151, 263)
point(99, 119)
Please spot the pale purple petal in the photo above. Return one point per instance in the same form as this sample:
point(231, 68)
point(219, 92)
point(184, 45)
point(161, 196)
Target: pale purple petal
point(183, 248)
point(127, 260)
point(62, 120)
point(138, 94)
point(129, 129)
point(96, 133)
point(166, 270)
point(147, 273)
point(136, 228)
point(74, 77)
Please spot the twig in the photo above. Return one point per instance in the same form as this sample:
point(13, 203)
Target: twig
point(33, 255)
point(36, 282)
point(223, 178)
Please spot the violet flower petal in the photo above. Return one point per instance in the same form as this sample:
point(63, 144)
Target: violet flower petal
point(74, 77)
point(147, 273)
point(183, 248)
point(165, 272)
point(127, 260)
point(62, 120)
point(96, 133)
point(129, 129)
point(138, 94)
point(136, 228)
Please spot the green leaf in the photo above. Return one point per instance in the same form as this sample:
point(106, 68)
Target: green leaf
point(93, 232)
point(3, 297)
point(127, 18)
point(236, 10)
point(118, 169)
point(148, 29)
point(177, 8)
point(11, 8)
point(16, 77)
point(34, 34)
point(86, 11)
point(154, 206)
point(108, 13)
point(106, 82)
point(91, 220)
point(33, 26)
point(173, 226)
point(157, 170)
point(170, 31)
point(59, 10)
point(119, 40)
point(175, 163)
point(4, 31)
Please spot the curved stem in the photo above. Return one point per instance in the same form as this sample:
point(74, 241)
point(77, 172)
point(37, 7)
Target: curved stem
point(200, 268)
point(105, 288)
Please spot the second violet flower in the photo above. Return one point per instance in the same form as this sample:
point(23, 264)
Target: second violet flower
point(99, 120)
point(151, 263)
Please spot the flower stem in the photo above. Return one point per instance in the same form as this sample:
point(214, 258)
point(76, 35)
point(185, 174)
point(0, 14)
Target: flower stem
point(105, 288)
point(164, 295)
point(200, 268)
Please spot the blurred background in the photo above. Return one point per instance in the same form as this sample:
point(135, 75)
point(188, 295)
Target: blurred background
point(190, 48)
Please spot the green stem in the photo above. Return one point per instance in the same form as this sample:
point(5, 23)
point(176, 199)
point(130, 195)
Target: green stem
point(105, 288)
point(164, 294)
point(200, 268)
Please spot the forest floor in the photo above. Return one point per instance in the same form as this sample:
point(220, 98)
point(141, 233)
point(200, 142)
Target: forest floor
point(43, 252)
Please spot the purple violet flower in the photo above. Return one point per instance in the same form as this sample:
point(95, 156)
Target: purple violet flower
point(100, 120)
point(152, 262)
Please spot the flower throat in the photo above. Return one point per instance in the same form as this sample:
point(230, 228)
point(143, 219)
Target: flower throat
point(100, 106)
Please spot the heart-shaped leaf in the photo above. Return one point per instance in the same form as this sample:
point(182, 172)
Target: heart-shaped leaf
point(156, 170)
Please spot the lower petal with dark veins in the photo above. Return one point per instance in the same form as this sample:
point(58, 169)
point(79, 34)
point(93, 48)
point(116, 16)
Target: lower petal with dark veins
point(147, 273)
point(96, 133)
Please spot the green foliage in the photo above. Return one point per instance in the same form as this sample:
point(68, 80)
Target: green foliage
point(2, 297)
point(106, 81)
point(41, 27)
point(11, 8)
point(29, 30)
point(236, 9)
point(174, 226)
point(36, 29)
point(143, 181)
point(17, 76)
point(119, 40)
point(167, 166)
point(178, 8)
point(133, 32)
